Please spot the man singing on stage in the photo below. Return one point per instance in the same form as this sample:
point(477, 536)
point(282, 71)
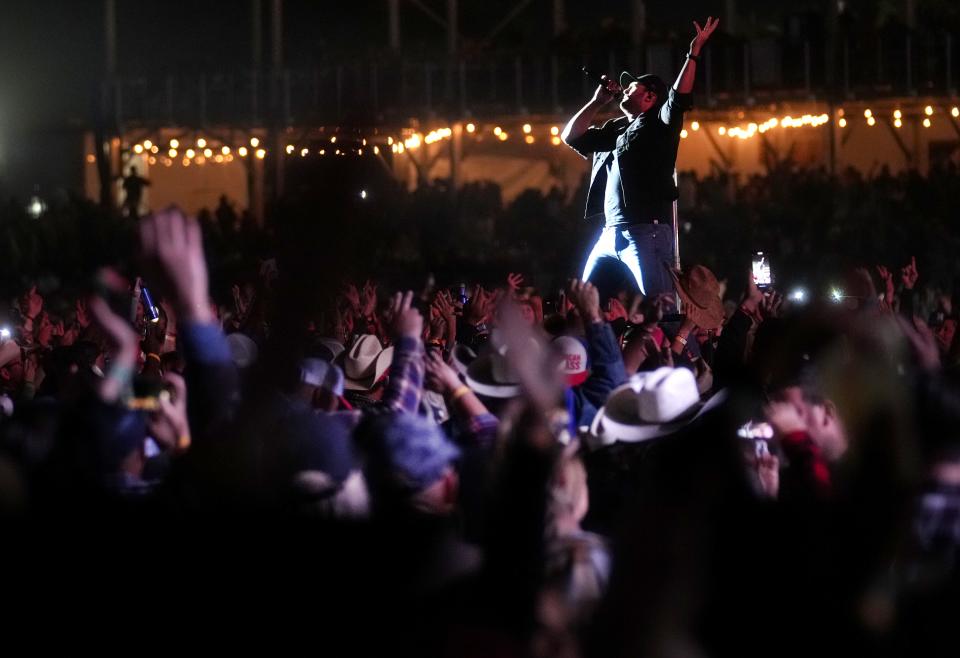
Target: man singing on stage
point(631, 181)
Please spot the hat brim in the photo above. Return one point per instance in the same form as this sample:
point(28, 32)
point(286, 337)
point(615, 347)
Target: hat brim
point(461, 357)
point(480, 379)
point(620, 420)
point(706, 317)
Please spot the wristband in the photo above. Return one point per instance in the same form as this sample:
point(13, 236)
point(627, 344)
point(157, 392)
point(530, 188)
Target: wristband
point(695, 58)
point(151, 355)
point(680, 339)
point(459, 393)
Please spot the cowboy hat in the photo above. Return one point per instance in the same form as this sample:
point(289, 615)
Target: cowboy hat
point(700, 292)
point(461, 357)
point(490, 373)
point(365, 363)
point(650, 405)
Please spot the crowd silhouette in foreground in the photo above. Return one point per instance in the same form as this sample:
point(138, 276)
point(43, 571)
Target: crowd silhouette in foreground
point(332, 427)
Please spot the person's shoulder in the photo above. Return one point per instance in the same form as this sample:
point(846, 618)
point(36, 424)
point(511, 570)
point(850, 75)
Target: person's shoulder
point(616, 123)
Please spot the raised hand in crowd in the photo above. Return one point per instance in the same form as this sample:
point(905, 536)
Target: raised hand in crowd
point(440, 377)
point(615, 310)
point(368, 299)
point(352, 296)
point(436, 330)
point(768, 474)
point(889, 289)
point(405, 320)
point(443, 379)
point(480, 307)
point(514, 281)
point(241, 302)
point(172, 251)
point(586, 299)
point(752, 298)
point(445, 308)
point(771, 305)
point(909, 274)
point(168, 425)
point(123, 341)
point(922, 341)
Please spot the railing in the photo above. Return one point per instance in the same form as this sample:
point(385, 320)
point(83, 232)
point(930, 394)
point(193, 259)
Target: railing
point(395, 88)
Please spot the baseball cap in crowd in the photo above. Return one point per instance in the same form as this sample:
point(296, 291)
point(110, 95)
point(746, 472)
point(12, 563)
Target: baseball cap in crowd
point(365, 363)
point(327, 349)
point(573, 359)
point(322, 374)
point(404, 452)
point(243, 350)
point(650, 405)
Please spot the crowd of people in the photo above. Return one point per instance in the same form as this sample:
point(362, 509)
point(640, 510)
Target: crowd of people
point(471, 464)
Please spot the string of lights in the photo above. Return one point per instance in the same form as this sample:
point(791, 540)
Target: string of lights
point(201, 150)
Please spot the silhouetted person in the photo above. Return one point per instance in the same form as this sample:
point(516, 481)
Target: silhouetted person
point(133, 191)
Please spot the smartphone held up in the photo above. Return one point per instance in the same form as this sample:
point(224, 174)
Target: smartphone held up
point(762, 271)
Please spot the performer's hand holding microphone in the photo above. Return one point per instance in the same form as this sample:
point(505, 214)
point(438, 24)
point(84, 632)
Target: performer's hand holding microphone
point(607, 89)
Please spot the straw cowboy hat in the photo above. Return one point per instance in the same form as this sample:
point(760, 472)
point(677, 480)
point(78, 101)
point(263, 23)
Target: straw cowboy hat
point(700, 292)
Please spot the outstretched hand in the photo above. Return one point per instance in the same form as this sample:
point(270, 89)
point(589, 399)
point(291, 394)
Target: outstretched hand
point(909, 274)
point(607, 91)
point(586, 298)
point(440, 377)
point(123, 341)
point(405, 319)
point(172, 248)
point(168, 425)
point(889, 290)
point(703, 34)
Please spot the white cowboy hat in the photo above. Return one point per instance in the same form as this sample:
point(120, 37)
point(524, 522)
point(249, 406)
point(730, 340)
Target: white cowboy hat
point(365, 363)
point(650, 405)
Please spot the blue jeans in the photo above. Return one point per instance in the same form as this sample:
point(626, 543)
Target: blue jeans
point(646, 250)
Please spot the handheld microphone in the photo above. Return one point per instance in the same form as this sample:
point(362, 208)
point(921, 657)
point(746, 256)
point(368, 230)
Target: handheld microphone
point(598, 79)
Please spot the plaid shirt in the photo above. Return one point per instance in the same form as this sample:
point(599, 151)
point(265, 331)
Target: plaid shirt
point(480, 430)
point(405, 384)
point(405, 387)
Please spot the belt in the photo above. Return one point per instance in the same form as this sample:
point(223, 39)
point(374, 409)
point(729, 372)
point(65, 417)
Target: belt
point(625, 226)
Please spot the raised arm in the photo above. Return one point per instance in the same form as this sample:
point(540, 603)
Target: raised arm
point(577, 126)
point(684, 83)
